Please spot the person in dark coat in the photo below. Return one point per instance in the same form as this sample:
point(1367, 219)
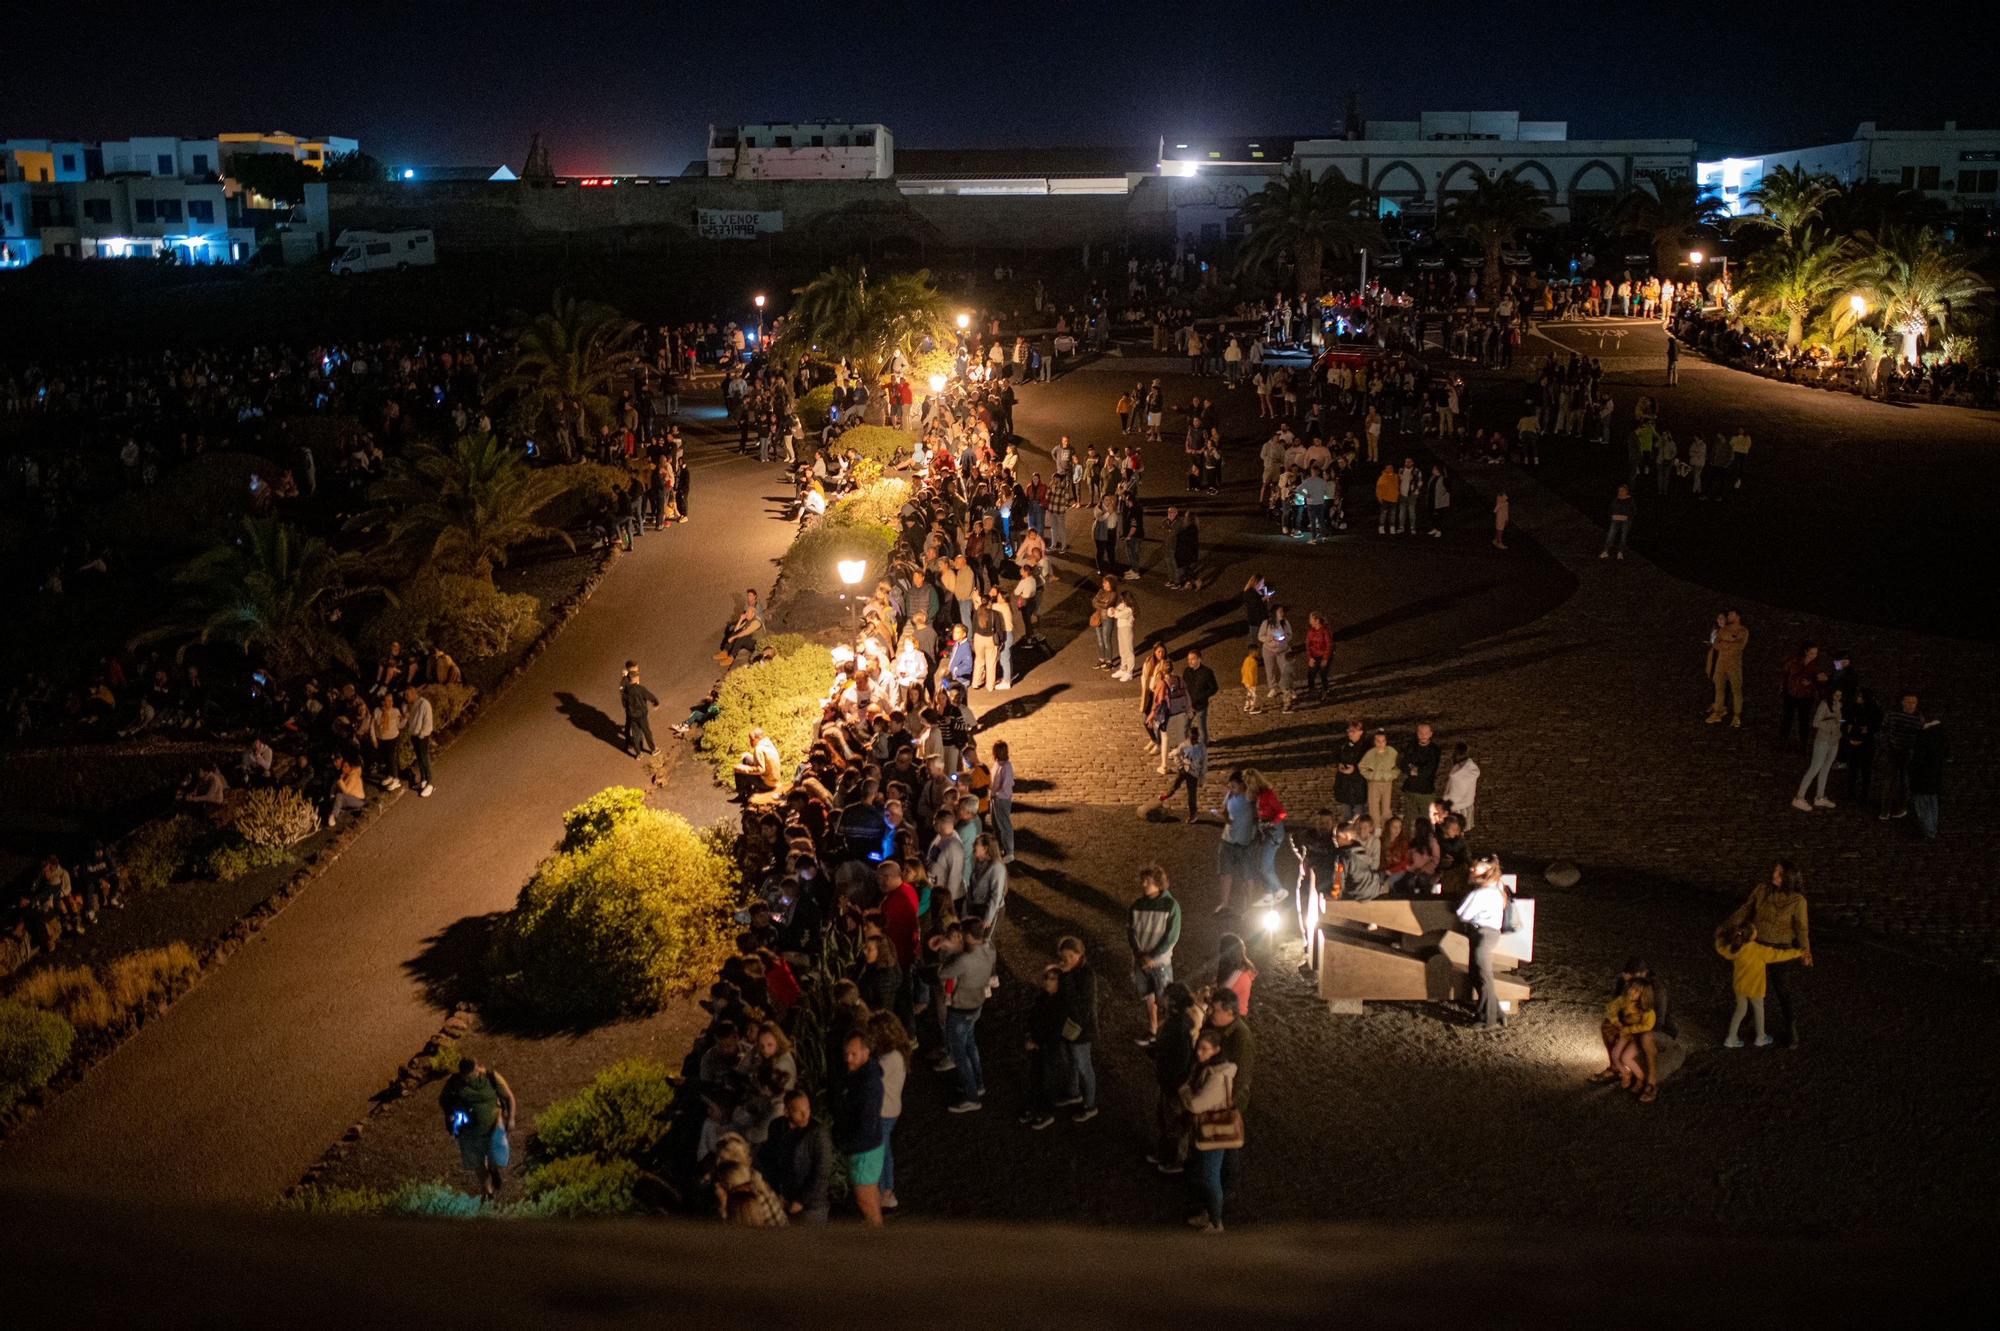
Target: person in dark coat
point(857, 1125)
point(639, 702)
point(1927, 757)
point(797, 1160)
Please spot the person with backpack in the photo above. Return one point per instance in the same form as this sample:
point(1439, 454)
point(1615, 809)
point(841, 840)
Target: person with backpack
point(479, 1109)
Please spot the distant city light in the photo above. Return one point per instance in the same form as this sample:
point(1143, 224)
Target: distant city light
point(409, 173)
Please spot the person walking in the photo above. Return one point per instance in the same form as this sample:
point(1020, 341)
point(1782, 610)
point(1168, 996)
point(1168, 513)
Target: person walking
point(1201, 687)
point(1826, 726)
point(1216, 1127)
point(638, 701)
point(1620, 530)
point(1079, 1029)
point(479, 1109)
point(1500, 514)
point(1274, 642)
point(1152, 927)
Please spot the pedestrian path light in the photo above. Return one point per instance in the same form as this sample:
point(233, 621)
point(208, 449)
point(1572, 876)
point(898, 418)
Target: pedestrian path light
point(852, 571)
point(964, 322)
point(937, 383)
point(1859, 304)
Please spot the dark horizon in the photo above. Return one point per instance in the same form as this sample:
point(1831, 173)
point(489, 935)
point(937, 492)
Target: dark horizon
point(624, 89)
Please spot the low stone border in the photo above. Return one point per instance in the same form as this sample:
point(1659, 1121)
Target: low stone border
point(414, 1073)
point(210, 954)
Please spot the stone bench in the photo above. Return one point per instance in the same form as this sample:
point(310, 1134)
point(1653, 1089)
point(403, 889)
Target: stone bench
point(1409, 950)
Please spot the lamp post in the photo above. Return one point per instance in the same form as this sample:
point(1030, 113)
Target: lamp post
point(852, 571)
point(758, 301)
point(1858, 303)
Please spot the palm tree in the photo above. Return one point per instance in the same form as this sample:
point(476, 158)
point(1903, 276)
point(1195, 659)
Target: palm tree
point(1795, 277)
point(269, 589)
point(1788, 198)
point(1916, 281)
point(1492, 215)
point(464, 507)
point(845, 313)
point(579, 351)
point(1671, 212)
point(1878, 208)
point(1309, 218)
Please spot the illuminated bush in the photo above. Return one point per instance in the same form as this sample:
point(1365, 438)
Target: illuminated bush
point(878, 443)
point(72, 993)
point(622, 1114)
point(621, 924)
point(275, 817)
point(812, 563)
point(600, 813)
point(815, 406)
point(34, 1045)
point(138, 978)
point(783, 695)
point(578, 1188)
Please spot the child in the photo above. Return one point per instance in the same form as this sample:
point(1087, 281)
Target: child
point(1045, 1025)
point(1749, 957)
point(1250, 668)
point(1190, 770)
point(1627, 1018)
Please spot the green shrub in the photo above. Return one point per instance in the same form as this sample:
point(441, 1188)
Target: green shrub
point(815, 406)
point(274, 818)
point(158, 852)
point(433, 1200)
point(72, 992)
point(341, 1202)
point(138, 978)
point(878, 443)
point(597, 815)
point(879, 504)
point(638, 915)
point(448, 702)
point(444, 1059)
point(467, 616)
point(578, 1188)
point(811, 563)
point(622, 1114)
point(783, 695)
point(34, 1045)
point(231, 858)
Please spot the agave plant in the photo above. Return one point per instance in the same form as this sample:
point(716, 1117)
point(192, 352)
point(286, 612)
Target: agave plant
point(270, 590)
point(1310, 218)
point(463, 507)
point(579, 351)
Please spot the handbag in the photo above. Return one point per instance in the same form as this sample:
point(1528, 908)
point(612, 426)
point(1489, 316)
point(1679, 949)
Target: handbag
point(1096, 618)
point(1510, 918)
point(1220, 1129)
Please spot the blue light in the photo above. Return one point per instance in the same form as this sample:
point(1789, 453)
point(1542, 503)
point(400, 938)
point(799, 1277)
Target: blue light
point(409, 173)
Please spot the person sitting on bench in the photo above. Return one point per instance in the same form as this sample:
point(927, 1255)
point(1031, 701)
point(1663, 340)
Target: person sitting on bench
point(757, 772)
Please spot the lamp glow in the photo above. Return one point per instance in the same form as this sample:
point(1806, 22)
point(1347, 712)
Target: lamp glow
point(1694, 256)
point(758, 301)
point(852, 571)
point(964, 322)
point(409, 173)
point(1272, 919)
point(937, 383)
point(1859, 304)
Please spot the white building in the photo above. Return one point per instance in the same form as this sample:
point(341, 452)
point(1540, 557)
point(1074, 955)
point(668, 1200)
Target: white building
point(1415, 165)
point(807, 151)
point(1959, 168)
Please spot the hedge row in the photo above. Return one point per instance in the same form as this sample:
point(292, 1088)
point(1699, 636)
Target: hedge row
point(782, 695)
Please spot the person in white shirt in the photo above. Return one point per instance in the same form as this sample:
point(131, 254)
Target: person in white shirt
point(1483, 913)
point(1461, 784)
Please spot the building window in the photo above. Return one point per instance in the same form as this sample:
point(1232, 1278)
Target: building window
point(201, 210)
point(201, 164)
point(1927, 177)
point(782, 141)
point(166, 164)
point(865, 139)
point(170, 210)
point(98, 210)
point(142, 210)
point(819, 141)
point(69, 161)
point(1908, 178)
point(6, 214)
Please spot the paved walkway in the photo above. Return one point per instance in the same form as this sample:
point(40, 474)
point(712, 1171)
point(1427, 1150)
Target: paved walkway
point(246, 1080)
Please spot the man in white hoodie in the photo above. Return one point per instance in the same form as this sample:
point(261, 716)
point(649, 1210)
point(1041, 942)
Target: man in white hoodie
point(1461, 784)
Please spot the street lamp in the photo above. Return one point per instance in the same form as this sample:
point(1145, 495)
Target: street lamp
point(852, 571)
point(758, 301)
point(937, 384)
point(1859, 304)
point(964, 322)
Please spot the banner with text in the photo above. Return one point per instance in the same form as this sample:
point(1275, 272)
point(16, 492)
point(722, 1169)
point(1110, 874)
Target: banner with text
point(730, 224)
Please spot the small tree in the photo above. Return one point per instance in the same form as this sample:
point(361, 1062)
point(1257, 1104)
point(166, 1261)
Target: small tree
point(1492, 216)
point(580, 352)
point(465, 506)
point(1310, 218)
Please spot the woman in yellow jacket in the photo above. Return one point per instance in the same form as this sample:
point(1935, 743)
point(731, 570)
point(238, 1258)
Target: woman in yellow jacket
point(1747, 959)
point(1627, 1018)
point(1387, 491)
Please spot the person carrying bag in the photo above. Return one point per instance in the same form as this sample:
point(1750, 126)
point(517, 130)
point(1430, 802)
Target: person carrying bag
point(1215, 1127)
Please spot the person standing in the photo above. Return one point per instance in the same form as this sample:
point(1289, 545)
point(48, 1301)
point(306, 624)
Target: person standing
point(1483, 915)
point(1380, 767)
point(1899, 736)
point(1211, 1105)
point(1461, 784)
point(1927, 759)
point(418, 722)
point(892, 1047)
point(1152, 927)
point(1673, 362)
point(1274, 641)
point(1350, 788)
point(1420, 771)
point(965, 969)
point(1731, 637)
point(1079, 1029)
point(1620, 531)
point(1739, 457)
point(479, 1109)
point(1748, 961)
point(1201, 687)
point(857, 1124)
point(1183, 548)
point(1123, 613)
point(638, 701)
point(1001, 797)
point(1776, 911)
point(1826, 725)
point(1500, 515)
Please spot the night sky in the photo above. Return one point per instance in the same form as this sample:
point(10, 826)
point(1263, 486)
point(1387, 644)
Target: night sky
point(631, 87)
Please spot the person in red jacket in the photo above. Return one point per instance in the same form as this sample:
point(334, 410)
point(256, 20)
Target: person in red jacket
point(1319, 653)
point(899, 912)
point(1805, 675)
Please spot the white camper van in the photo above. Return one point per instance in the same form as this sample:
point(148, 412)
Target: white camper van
point(371, 251)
